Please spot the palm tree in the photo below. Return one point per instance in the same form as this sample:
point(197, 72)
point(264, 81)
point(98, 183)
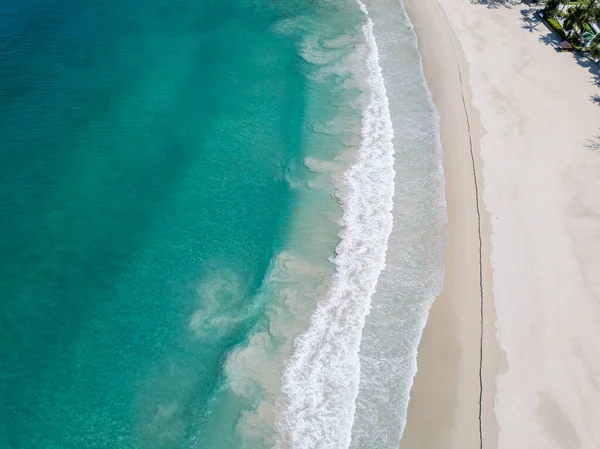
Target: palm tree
point(595, 11)
point(552, 6)
point(570, 22)
point(578, 18)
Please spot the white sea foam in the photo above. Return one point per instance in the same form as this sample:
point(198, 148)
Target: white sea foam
point(254, 369)
point(415, 257)
point(321, 380)
point(300, 274)
point(331, 394)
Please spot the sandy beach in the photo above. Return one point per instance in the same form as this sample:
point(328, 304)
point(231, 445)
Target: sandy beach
point(509, 354)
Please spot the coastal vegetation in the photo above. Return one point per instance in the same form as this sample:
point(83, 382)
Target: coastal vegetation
point(576, 23)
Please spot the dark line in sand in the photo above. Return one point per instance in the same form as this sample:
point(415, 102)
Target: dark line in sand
point(480, 245)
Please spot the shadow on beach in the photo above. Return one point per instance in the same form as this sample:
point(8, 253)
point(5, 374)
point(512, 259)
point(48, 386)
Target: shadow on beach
point(492, 4)
point(531, 21)
point(594, 143)
point(531, 18)
point(593, 67)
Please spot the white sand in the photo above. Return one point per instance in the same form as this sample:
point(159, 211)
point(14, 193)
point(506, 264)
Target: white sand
point(542, 189)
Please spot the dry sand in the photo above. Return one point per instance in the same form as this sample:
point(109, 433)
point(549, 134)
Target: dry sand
point(533, 126)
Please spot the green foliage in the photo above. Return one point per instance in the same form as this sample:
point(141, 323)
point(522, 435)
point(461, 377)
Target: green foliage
point(570, 22)
point(551, 7)
point(577, 21)
point(556, 26)
point(559, 30)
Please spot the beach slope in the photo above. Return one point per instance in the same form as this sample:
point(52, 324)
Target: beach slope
point(538, 175)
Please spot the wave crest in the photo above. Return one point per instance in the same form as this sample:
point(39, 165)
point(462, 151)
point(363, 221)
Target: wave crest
point(320, 382)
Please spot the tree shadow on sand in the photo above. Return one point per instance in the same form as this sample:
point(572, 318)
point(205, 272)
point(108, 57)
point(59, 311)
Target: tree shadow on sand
point(551, 38)
point(593, 143)
point(493, 4)
point(548, 36)
point(587, 62)
point(529, 19)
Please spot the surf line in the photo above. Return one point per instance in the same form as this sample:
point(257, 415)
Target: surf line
point(481, 296)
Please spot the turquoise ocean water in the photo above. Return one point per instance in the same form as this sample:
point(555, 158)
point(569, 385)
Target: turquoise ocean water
point(174, 177)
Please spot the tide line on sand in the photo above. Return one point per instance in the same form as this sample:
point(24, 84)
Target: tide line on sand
point(539, 185)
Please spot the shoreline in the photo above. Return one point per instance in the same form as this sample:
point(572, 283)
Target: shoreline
point(445, 393)
point(534, 121)
point(413, 271)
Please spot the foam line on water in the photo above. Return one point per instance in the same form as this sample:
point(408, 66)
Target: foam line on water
point(320, 382)
point(414, 273)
